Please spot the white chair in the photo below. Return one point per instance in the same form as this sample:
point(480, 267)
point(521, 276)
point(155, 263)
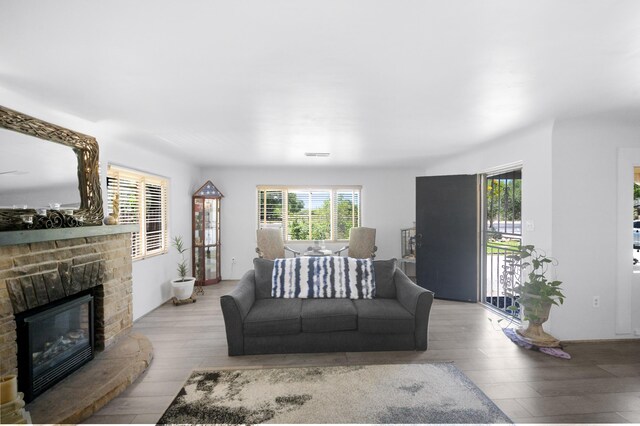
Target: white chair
point(362, 243)
point(270, 244)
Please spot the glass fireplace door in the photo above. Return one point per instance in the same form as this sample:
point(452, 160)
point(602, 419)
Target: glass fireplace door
point(53, 344)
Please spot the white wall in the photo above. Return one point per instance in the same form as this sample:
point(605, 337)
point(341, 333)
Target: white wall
point(151, 276)
point(530, 146)
point(586, 228)
point(388, 204)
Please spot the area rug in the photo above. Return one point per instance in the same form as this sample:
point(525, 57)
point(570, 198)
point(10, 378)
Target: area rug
point(405, 393)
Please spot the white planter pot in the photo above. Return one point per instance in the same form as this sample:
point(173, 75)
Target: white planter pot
point(183, 289)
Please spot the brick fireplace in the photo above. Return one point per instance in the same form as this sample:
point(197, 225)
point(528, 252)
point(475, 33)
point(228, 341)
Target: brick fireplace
point(63, 263)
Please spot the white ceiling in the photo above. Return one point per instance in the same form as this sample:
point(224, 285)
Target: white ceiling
point(374, 82)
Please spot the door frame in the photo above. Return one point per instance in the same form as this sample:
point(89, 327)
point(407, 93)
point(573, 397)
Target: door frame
point(482, 226)
point(625, 278)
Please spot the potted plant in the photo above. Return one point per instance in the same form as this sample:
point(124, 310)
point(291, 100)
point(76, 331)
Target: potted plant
point(532, 291)
point(182, 286)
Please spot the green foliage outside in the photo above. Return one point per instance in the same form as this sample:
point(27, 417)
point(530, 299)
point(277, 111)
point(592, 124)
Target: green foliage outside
point(504, 199)
point(321, 221)
point(502, 247)
point(636, 196)
point(274, 206)
point(320, 216)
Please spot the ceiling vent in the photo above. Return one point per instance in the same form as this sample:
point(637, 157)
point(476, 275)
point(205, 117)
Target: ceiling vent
point(316, 154)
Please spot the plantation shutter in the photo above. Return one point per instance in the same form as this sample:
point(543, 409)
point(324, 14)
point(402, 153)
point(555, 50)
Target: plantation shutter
point(309, 215)
point(320, 215)
point(346, 212)
point(155, 216)
point(127, 189)
point(270, 209)
point(142, 200)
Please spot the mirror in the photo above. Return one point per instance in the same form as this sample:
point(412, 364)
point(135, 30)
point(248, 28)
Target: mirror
point(35, 173)
point(49, 175)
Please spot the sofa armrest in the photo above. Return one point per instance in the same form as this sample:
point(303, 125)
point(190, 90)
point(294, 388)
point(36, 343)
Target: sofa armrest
point(235, 307)
point(416, 300)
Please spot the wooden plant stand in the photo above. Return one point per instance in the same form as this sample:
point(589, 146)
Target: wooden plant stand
point(178, 302)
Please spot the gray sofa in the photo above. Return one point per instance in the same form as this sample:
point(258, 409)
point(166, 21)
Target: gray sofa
point(396, 319)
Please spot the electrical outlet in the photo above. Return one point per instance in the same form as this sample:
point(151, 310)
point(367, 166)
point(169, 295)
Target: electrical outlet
point(233, 260)
point(596, 301)
point(637, 332)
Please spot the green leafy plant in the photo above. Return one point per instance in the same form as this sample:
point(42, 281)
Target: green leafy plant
point(533, 290)
point(183, 268)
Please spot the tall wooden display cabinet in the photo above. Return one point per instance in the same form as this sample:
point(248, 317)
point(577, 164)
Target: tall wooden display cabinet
point(206, 234)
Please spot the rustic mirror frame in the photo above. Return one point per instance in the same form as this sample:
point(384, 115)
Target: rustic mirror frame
point(86, 150)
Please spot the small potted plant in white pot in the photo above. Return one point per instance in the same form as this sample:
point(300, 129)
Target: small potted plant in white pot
point(183, 285)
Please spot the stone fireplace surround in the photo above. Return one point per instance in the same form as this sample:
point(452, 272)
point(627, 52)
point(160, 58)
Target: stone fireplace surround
point(37, 267)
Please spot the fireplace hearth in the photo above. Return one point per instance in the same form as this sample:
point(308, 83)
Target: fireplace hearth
point(53, 341)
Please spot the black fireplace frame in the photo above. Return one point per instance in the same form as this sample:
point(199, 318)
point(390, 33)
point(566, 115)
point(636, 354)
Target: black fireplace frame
point(25, 344)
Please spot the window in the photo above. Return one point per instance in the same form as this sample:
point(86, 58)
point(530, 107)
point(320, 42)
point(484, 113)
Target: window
point(310, 214)
point(142, 200)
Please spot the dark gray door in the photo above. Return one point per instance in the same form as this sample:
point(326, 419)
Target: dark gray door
point(447, 236)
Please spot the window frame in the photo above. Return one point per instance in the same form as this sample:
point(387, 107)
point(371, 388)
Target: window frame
point(143, 178)
point(333, 197)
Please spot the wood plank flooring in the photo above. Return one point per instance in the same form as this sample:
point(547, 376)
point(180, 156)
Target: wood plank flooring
point(600, 384)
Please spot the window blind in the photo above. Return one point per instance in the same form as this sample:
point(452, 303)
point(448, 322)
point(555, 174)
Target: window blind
point(142, 200)
point(347, 212)
point(305, 214)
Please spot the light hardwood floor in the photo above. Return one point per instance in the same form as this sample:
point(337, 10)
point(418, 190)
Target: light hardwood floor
point(600, 384)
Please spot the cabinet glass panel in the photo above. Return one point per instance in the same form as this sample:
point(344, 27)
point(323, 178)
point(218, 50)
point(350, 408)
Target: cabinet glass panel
point(197, 253)
point(210, 264)
point(198, 217)
point(210, 222)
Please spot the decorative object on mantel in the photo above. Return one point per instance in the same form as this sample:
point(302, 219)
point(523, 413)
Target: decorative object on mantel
point(114, 217)
point(11, 402)
point(206, 232)
point(182, 286)
point(51, 219)
point(87, 154)
point(535, 293)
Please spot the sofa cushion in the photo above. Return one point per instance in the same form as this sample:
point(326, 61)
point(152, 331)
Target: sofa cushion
point(323, 315)
point(385, 287)
point(269, 317)
point(263, 271)
point(383, 316)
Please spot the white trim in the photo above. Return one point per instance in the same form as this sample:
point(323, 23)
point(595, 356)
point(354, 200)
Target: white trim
point(134, 171)
point(496, 170)
point(308, 188)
